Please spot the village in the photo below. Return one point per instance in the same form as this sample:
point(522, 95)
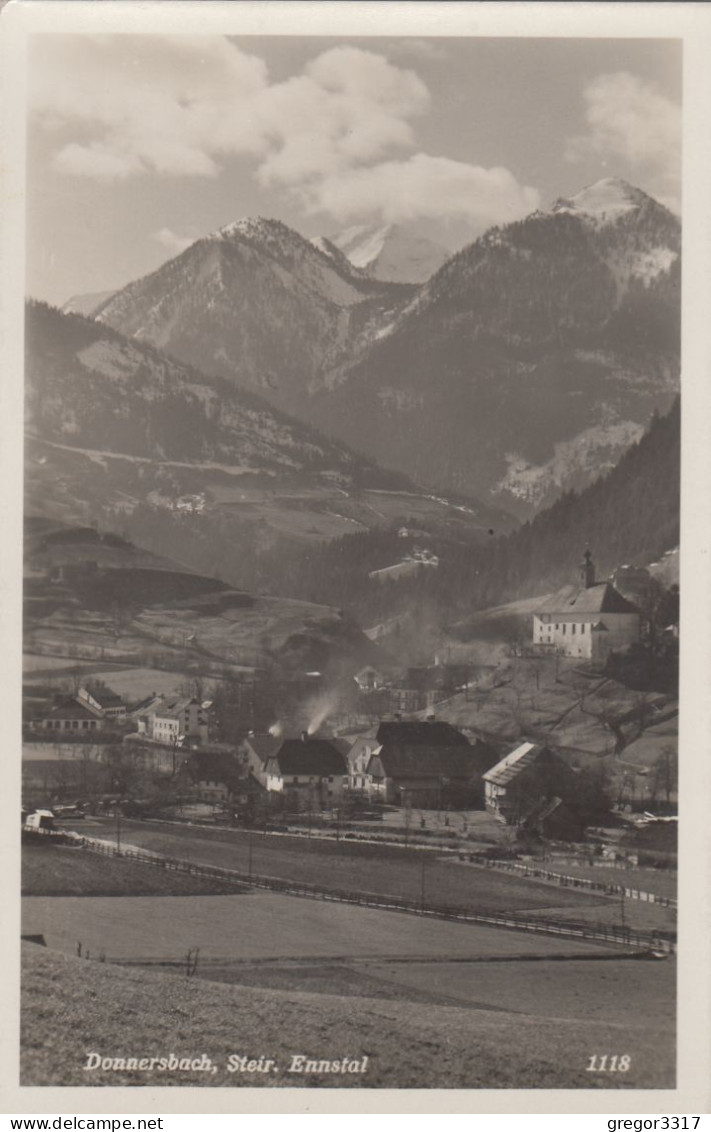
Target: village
point(454, 753)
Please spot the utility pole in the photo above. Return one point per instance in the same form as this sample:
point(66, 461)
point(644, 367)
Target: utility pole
point(422, 883)
point(118, 832)
point(249, 863)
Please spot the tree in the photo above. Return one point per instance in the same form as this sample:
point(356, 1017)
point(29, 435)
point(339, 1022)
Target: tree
point(666, 772)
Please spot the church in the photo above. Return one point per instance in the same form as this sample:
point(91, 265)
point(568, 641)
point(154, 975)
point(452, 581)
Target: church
point(589, 620)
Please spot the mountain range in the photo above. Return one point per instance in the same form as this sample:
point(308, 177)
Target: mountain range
point(524, 366)
point(532, 358)
point(260, 305)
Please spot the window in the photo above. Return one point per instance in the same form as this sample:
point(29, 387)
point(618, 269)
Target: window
point(330, 778)
point(563, 630)
point(572, 627)
point(84, 724)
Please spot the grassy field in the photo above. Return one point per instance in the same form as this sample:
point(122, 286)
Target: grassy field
point(659, 881)
point(56, 870)
point(72, 1007)
point(637, 914)
point(265, 926)
point(357, 867)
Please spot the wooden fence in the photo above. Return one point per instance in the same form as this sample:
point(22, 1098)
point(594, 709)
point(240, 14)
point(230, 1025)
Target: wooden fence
point(639, 940)
point(605, 889)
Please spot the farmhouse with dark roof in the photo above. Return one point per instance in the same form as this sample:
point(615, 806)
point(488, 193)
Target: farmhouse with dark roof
point(309, 768)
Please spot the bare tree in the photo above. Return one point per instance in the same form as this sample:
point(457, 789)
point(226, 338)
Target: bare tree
point(666, 770)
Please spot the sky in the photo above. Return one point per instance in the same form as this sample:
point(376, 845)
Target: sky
point(139, 145)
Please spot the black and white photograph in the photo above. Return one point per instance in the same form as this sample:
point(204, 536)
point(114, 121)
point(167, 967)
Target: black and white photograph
point(352, 387)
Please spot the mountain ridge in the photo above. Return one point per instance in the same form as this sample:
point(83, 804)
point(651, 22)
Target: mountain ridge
point(551, 331)
point(216, 306)
point(522, 367)
point(119, 433)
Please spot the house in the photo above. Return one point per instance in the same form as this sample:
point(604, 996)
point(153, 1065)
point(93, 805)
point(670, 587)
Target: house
point(430, 777)
point(369, 679)
point(309, 769)
point(525, 777)
point(68, 714)
point(358, 758)
point(424, 763)
point(40, 819)
point(590, 620)
point(255, 750)
point(215, 776)
point(102, 699)
point(415, 690)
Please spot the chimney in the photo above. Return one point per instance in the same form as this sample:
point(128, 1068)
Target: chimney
point(587, 570)
point(304, 736)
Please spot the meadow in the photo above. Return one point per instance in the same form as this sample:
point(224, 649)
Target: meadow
point(72, 1007)
point(383, 870)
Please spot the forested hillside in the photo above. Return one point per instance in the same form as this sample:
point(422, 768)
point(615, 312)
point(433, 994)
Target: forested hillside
point(630, 515)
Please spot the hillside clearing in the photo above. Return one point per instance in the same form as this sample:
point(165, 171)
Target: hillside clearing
point(56, 870)
point(71, 1007)
point(264, 926)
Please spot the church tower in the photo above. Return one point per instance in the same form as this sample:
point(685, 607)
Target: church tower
point(587, 570)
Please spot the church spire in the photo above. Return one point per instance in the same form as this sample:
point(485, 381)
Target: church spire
point(587, 570)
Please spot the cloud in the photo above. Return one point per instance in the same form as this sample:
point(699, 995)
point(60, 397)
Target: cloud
point(97, 161)
point(170, 105)
point(424, 187)
point(172, 241)
point(173, 106)
point(339, 136)
point(629, 119)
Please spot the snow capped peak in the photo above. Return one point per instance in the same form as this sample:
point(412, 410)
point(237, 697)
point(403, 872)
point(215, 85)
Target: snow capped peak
point(604, 200)
point(362, 243)
point(395, 253)
point(251, 227)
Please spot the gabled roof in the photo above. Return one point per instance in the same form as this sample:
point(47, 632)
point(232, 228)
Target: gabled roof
point(420, 733)
point(512, 764)
point(317, 757)
point(171, 709)
point(104, 696)
point(146, 705)
point(69, 708)
point(600, 598)
point(264, 745)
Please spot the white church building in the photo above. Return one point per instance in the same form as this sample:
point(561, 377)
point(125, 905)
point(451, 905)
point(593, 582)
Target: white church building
point(589, 620)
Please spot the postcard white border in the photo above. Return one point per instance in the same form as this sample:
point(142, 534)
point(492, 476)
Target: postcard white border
point(687, 21)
